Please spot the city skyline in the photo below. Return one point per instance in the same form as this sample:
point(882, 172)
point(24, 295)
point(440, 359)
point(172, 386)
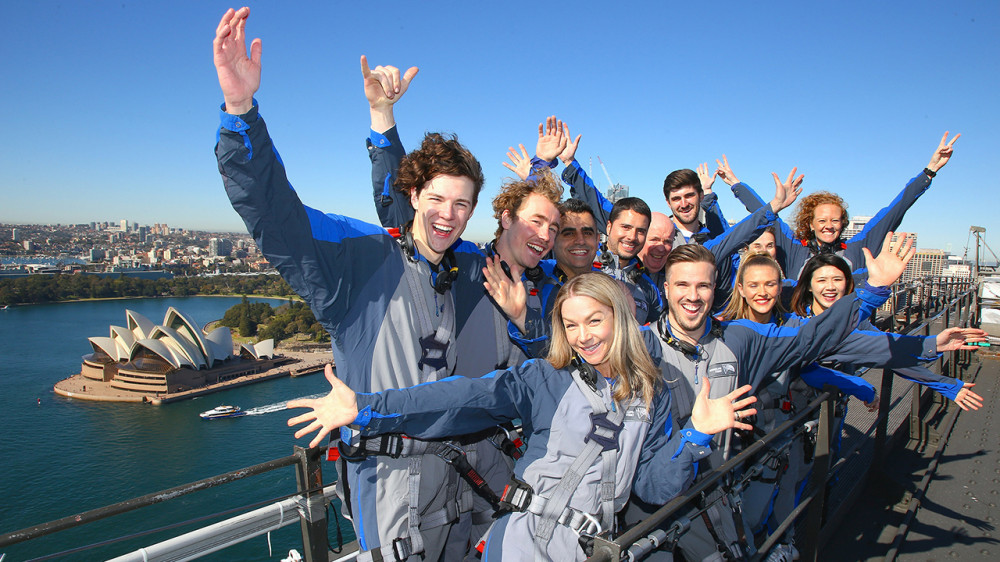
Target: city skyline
point(856, 95)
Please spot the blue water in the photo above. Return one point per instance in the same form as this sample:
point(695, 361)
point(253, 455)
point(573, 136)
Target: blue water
point(65, 456)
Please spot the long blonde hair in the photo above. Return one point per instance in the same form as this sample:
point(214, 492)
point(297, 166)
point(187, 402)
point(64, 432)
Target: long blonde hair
point(738, 308)
point(628, 357)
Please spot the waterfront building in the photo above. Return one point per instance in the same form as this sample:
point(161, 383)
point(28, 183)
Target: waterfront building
point(174, 356)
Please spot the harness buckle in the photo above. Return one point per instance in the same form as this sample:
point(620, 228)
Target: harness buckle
point(401, 549)
point(516, 496)
point(600, 427)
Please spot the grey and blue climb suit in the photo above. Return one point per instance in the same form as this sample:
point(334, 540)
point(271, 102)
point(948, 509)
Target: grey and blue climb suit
point(652, 458)
point(389, 329)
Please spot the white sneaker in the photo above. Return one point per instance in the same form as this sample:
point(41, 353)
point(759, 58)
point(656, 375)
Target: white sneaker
point(783, 553)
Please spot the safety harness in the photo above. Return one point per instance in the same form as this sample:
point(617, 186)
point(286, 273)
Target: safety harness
point(602, 441)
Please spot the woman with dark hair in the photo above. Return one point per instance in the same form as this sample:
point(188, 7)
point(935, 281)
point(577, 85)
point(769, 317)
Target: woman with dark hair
point(826, 278)
point(822, 217)
point(596, 411)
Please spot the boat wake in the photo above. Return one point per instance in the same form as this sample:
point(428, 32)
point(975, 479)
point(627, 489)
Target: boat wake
point(277, 406)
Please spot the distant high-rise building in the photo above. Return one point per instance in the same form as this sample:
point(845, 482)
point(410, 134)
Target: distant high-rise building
point(96, 255)
point(925, 263)
point(143, 231)
point(124, 225)
point(617, 192)
point(856, 225)
point(29, 246)
point(15, 235)
point(220, 247)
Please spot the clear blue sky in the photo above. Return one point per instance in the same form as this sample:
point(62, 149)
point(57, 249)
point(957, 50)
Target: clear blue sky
point(110, 108)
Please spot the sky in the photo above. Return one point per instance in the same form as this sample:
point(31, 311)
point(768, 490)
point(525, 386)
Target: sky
point(110, 109)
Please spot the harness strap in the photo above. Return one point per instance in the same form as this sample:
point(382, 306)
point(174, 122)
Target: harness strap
point(599, 443)
point(433, 362)
point(397, 445)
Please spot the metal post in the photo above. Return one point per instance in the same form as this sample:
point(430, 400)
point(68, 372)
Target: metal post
point(882, 425)
point(820, 473)
point(312, 504)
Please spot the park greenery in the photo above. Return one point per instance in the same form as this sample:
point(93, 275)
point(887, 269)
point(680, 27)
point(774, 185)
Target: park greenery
point(35, 289)
point(261, 320)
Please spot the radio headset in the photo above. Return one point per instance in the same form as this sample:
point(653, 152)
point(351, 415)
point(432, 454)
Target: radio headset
point(587, 371)
point(447, 270)
point(817, 247)
point(689, 349)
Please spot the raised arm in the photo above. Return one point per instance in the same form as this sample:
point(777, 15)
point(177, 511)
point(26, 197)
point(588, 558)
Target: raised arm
point(582, 187)
point(746, 230)
point(891, 216)
point(715, 221)
point(383, 88)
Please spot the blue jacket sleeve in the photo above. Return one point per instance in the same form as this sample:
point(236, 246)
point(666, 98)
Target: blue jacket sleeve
point(766, 348)
point(886, 220)
point(668, 459)
point(946, 386)
point(744, 232)
point(715, 221)
point(455, 405)
point(327, 259)
point(816, 376)
point(386, 152)
point(582, 187)
point(874, 348)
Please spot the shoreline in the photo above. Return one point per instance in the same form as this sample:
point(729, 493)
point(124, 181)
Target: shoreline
point(292, 297)
point(76, 386)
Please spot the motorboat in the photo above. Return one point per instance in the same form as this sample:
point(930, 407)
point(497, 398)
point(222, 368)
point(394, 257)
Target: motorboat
point(222, 412)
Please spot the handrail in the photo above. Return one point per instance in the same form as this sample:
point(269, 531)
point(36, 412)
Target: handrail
point(50, 527)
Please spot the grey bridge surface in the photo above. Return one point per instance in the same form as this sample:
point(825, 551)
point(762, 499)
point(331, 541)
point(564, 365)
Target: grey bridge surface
point(956, 517)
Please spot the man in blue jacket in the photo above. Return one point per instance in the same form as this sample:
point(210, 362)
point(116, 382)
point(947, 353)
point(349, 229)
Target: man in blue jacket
point(393, 307)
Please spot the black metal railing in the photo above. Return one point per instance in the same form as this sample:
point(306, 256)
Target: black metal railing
point(312, 505)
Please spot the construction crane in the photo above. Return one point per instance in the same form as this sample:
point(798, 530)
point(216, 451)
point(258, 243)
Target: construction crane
point(613, 188)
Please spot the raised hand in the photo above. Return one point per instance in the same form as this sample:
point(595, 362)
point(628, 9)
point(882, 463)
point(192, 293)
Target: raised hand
point(520, 164)
point(712, 416)
point(510, 295)
point(239, 75)
point(968, 400)
point(569, 153)
point(383, 88)
point(551, 141)
point(336, 409)
point(725, 172)
point(891, 261)
point(706, 179)
point(786, 192)
point(954, 339)
point(942, 153)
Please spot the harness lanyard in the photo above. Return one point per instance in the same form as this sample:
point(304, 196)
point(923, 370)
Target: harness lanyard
point(558, 501)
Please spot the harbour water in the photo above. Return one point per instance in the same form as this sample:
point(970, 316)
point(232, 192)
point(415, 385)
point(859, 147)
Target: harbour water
point(63, 456)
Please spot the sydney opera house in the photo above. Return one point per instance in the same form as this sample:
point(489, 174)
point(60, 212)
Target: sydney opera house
point(174, 356)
